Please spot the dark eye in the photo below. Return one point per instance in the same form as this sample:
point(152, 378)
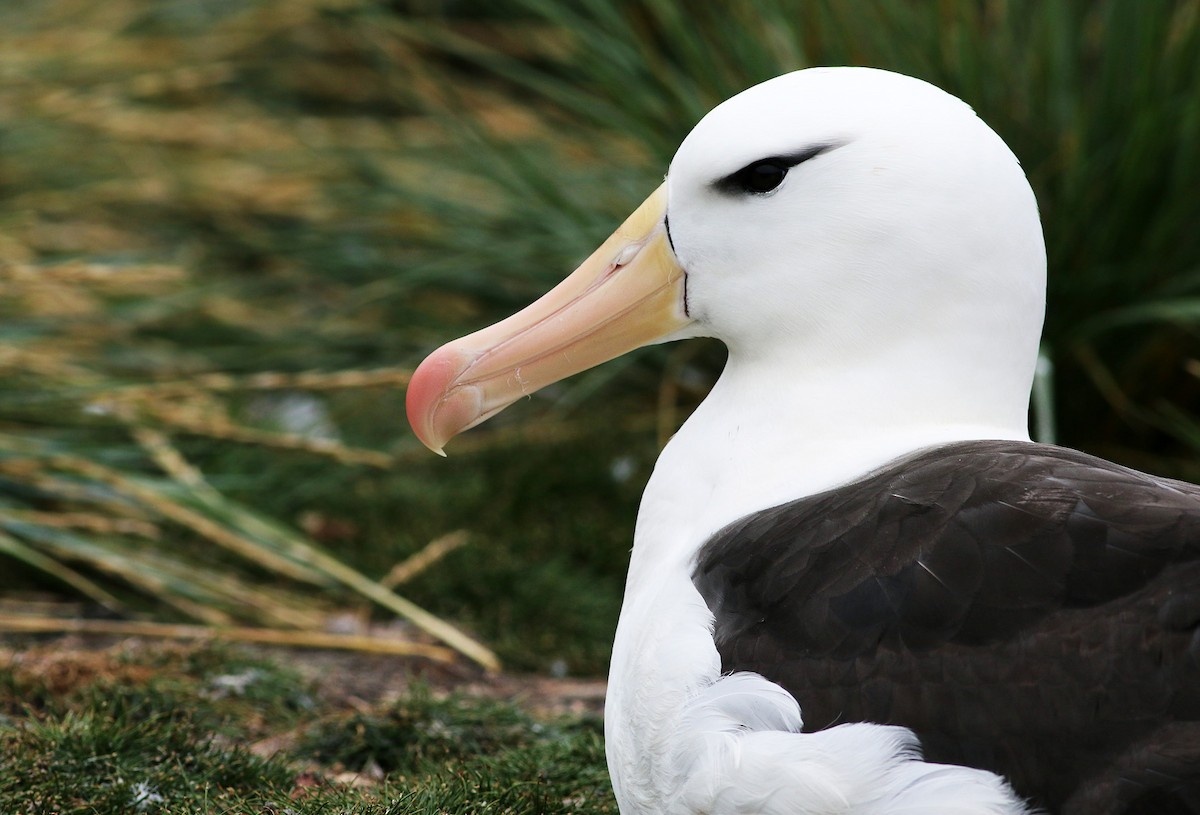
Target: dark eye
point(766, 174)
point(760, 177)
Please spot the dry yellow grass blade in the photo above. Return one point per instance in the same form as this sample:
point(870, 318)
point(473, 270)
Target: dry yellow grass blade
point(418, 616)
point(213, 129)
point(185, 517)
point(169, 460)
point(48, 364)
point(213, 596)
point(314, 561)
point(175, 404)
point(146, 573)
point(89, 521)
point(434, 551)
point(103, 274)
point(63, 489)
point(31, 557)
point(282, 441)
point(263, 636)
point(276, 380)
point(146, 578)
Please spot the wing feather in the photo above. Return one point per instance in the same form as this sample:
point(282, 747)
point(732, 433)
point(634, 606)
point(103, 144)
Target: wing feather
point(1026, 608)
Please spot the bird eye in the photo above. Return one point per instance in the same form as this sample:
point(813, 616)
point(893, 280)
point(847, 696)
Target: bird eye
point(760, 177)
point(766, 174)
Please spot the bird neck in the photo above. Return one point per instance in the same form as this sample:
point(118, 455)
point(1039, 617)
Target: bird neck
point(778, 427)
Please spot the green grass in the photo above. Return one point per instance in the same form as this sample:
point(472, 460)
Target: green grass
point(197, 191)
point(161, 731)
point(101, 761)
point(495, 749)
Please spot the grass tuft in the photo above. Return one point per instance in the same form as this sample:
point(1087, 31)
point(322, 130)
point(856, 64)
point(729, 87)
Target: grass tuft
point(421, 730)
point(191, 730)
point(125, 759)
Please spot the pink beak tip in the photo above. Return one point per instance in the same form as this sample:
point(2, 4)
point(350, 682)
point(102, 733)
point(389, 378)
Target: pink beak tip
point(438, 408)
point(426, 391)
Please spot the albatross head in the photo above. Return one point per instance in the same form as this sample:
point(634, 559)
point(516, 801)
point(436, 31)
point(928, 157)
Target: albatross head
point(828, 220)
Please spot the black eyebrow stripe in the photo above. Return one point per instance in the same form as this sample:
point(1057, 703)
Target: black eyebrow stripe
point(787, 160)
point(801, 156)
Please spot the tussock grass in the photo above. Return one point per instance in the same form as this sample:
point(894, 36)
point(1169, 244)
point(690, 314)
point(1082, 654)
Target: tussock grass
point(229, 231)
point(109, 762)
point(204, 730)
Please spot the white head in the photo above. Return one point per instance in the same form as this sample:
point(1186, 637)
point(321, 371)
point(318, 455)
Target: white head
point(909, 238)
point(886, 230)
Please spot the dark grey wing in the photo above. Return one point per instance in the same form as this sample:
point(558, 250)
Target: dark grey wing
point(1025, 608)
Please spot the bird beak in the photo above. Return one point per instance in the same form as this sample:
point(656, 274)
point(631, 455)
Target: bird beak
point(629, 293)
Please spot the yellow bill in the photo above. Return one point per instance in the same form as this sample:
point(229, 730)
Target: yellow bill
point(629, 293)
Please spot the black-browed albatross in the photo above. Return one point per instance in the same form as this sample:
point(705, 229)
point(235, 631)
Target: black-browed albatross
point(853, 540)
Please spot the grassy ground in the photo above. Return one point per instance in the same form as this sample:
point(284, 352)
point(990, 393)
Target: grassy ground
point(230, 228)
point(181, 730)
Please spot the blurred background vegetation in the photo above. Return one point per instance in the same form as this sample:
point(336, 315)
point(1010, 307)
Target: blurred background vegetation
point(229, 228)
